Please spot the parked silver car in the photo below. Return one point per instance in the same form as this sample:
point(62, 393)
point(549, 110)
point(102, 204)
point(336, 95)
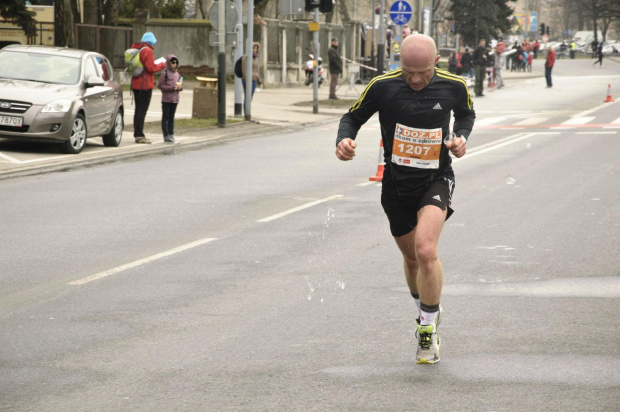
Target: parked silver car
point(60, 95)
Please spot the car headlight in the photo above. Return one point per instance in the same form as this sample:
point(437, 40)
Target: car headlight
point(57, 106)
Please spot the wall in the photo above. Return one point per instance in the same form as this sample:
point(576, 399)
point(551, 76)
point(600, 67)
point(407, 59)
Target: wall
point(281, 41)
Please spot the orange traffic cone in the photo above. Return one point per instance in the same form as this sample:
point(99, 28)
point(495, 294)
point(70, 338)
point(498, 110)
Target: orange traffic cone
point(380, 166)
point(609, 98)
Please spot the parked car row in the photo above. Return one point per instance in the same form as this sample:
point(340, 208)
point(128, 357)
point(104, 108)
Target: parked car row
point(59, 95)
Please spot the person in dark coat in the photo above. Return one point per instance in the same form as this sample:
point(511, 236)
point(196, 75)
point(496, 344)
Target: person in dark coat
point(467, 63)
point(335, 68)
point(480, 64)
point(452, 63)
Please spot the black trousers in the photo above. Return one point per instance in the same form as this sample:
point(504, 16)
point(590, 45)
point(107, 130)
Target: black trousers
point(167, 118)
point(143, 100)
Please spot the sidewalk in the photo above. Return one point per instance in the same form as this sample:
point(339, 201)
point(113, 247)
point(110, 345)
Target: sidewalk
point(275, 110)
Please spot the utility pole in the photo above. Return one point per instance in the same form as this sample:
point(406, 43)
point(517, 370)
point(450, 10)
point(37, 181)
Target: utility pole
point(238, 55)
point(315, 77)
point(381, 40)
point(249, 50)
point(221, 63)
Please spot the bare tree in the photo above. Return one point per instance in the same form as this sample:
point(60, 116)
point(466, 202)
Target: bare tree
point(202, 9)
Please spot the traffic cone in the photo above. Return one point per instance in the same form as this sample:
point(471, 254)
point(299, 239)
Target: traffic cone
point(380, 166)
point(609, 98)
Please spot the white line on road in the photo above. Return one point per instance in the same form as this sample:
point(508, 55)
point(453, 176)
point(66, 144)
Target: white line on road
point(532, 121)
point(596, 132)
point(141, 262)
point(298, 208)
point(490, 120)
point(495, 145)
point(578, 120)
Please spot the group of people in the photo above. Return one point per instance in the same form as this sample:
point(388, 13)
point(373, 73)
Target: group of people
point(474, 65)
point(170, 83)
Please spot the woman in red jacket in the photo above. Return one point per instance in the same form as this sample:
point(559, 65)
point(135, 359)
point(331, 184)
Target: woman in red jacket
point(142, 85)
point(549, 62)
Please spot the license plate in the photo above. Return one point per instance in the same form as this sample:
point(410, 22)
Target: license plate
point(11, 121)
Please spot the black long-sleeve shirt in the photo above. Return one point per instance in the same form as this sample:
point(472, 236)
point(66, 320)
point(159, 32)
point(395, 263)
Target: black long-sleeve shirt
point(418, 120)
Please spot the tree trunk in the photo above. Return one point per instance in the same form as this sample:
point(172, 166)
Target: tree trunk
point(110, 37)
point(63, 24)
point(344, 11)
point(202, 9)
point(87, 35)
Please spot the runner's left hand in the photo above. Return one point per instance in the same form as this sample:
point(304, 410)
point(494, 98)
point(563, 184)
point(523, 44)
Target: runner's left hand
point(457, 146)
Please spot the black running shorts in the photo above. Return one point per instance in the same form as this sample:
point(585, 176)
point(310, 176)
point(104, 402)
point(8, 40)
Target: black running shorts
point(402, 211)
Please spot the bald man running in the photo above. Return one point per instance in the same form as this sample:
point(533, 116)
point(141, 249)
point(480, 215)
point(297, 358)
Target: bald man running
point(414, 105)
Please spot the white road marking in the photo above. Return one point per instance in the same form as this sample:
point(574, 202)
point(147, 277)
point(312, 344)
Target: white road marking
point(140, 262)
point(489, 121)
point(531, 121)
point(578, 120)
point(495, 145)
point(596, 132)
point(298, 208)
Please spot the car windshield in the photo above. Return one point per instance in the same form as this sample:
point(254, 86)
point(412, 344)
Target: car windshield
point(39, 67)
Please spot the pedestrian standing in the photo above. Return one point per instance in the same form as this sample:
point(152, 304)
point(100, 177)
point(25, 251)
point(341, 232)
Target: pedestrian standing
point(480, 66)
point(459, 64)
point(256, 79)
point(549, 62)
point(335, 68)
point(170, 83)
point(467, 63)
point(499, 63)
point(415, 103)
point(452, 63)
point(142, 85)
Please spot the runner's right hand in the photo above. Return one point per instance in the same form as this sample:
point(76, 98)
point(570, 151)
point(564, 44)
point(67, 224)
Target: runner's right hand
point(346, 149)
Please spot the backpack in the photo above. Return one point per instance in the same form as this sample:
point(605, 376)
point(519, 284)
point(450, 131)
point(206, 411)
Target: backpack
point(133, 65)
point(238, 69)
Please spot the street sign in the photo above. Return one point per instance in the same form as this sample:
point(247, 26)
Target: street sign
point(400, 12)
point(231, 16)
point(214, 39)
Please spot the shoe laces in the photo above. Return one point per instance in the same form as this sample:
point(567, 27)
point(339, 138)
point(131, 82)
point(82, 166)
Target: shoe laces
point(425, 339)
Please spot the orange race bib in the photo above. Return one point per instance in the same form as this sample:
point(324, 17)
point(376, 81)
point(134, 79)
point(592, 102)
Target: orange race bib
point(416, 147)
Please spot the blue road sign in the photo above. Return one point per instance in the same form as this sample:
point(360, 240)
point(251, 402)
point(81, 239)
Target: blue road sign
point(400, 12)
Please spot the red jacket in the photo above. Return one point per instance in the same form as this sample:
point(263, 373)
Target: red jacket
point(550, 61)
point(146, 81)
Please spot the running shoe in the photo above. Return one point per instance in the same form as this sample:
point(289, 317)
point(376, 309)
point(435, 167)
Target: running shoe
point(428, 342)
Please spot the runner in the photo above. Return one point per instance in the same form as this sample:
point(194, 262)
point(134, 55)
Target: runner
point(414, 105)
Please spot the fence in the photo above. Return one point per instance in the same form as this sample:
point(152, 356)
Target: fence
point(112, 41)
point(42, 33)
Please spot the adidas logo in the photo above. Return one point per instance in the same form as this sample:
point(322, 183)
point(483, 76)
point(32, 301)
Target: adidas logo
point(437, 107)
point(436, 197)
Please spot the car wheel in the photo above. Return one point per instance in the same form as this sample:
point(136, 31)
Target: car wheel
point(113, 139)
point(76, 142)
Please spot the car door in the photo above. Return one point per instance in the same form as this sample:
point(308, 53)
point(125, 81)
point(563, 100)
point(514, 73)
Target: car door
point(94, 100)
point(113, 92)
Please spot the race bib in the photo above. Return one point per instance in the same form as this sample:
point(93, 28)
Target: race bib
point(418, 148)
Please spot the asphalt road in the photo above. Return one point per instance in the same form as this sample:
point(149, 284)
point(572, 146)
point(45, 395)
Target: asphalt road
point(259, 274)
